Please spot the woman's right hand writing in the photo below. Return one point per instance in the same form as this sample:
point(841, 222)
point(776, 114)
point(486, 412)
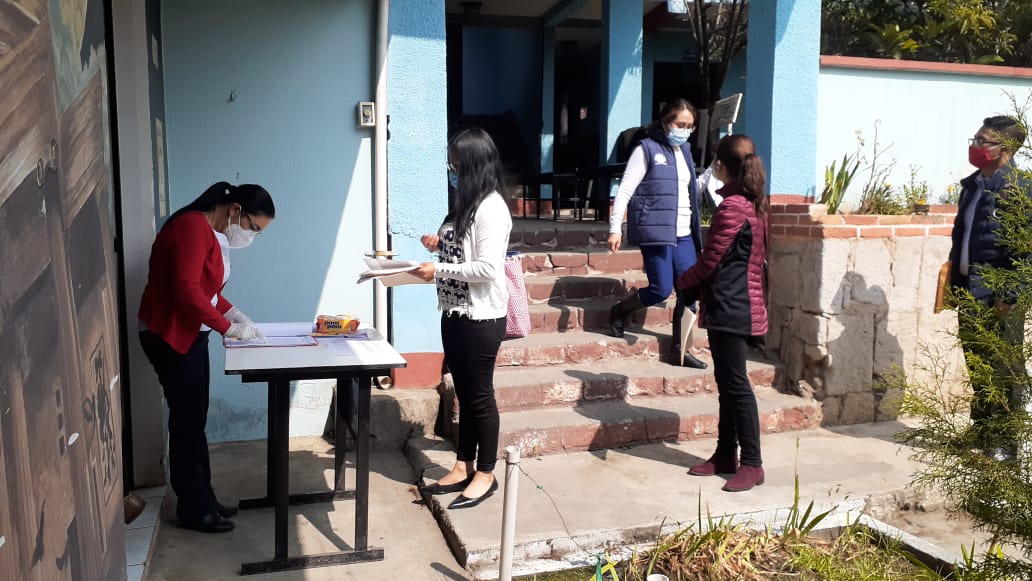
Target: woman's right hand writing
point(430, 242)
point(614, 242)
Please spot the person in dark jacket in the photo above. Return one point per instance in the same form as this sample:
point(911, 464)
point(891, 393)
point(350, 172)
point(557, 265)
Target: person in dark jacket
point(975, 245)
point(730, 278)
point(659, 194)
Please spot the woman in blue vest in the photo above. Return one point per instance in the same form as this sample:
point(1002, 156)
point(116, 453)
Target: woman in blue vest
point(658, 193)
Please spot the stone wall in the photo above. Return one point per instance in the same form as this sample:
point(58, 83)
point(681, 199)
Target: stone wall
point(851, 299)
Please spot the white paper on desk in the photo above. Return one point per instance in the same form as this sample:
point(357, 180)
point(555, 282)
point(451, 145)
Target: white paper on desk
point(285, 329)
point(346, 347)
point(302, 341)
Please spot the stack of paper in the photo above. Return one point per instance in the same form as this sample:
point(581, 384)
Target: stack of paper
point(391, 272)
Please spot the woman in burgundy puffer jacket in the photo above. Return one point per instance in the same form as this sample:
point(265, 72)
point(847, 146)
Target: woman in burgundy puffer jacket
point(730, 280)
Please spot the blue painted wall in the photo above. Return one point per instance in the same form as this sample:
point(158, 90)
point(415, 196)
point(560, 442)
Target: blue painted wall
point(418, 110)
point(621, 70)
point(501, 71)
point(297, 70)
point(780, 101)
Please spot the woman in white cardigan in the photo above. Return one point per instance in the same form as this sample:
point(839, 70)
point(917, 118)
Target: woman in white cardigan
point(471, 295)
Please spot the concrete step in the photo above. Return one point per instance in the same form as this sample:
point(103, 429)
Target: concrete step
point(608, 424)
point(593, 314)
point(573, 505)
point(523, 388)
point(579, 346)
point(582, 261)
point(566, 288)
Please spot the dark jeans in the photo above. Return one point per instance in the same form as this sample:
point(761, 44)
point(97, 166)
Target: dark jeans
point(739, 423)
point(1010, 328)
point(470, 350)
point(663, 264)
point(184, 380)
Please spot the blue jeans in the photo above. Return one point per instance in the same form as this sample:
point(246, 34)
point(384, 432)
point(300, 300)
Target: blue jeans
point(663, 264)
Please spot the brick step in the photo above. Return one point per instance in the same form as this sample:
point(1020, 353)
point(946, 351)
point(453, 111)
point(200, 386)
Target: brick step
point(596, 425)
point(529, 234)
point(580, 261)
point(552, 288)
point(573, 385)
point(593, 315)
point(579, 346)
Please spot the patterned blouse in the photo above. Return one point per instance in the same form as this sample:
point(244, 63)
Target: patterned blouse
point(452, 294)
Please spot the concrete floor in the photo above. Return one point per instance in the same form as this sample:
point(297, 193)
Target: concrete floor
point(398, 522)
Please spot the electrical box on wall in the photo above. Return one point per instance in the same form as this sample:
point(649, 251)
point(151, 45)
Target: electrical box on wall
point(366, 114)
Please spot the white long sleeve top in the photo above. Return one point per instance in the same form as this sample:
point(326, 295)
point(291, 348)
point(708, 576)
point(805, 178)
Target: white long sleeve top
point(632, 177)
point(471, 277)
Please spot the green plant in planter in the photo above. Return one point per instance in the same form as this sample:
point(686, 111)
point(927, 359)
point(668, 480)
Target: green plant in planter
point(836, 182)
point(878, 196)
point(952, 195)
point(915, 192)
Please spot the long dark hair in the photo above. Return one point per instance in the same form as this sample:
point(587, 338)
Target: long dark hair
point(738, 154)
point(480, 173)
point(254, 200)
point(668, 113)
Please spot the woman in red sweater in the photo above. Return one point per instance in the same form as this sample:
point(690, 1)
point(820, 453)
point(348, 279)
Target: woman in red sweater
point(730, 280)
point(182, 303)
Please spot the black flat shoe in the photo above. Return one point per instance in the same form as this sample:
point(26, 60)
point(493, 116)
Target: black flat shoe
point(691, 361)
point(463, 502)
point(209, 523)
point(225, 511)
point(438, 489)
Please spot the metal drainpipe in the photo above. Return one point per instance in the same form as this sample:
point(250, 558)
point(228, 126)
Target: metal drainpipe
point(380, 240)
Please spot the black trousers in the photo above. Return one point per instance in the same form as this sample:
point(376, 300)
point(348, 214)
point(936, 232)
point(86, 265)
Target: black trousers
point(185, 379)
point(470, 350)
point(1013, 379)
point(739, 423)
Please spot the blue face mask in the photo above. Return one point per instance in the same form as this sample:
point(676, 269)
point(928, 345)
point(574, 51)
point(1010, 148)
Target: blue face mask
point(678, 136)
point(453, 179)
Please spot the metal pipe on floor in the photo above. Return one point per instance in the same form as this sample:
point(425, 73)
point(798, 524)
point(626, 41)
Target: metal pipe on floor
point(512, 480)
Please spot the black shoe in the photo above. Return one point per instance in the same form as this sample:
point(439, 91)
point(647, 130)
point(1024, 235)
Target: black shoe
point(225, 511)
point(463, 502)
point(437, 488)
point(209, 523)
point(691, 361)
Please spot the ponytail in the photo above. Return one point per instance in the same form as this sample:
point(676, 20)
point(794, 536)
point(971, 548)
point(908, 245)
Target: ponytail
point(254, 200)
point(753, 180)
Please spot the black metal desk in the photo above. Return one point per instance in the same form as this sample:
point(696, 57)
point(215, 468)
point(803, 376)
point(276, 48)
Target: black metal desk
point(278, 367)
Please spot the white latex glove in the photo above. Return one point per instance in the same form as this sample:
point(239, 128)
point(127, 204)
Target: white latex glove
point(244, 331)
point(235, 315)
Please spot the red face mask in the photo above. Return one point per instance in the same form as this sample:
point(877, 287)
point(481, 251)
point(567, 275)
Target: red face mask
point(980, 157)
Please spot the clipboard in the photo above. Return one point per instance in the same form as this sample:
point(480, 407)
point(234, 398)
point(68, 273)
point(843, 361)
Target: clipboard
point(688, 320)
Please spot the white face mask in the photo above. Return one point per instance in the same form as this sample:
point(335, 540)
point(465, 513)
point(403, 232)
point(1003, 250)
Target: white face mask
point(237, 236)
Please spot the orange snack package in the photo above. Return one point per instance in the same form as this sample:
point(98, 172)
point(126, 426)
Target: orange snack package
point(336, 325)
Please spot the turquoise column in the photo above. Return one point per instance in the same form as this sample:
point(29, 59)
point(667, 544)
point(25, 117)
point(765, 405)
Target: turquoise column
point(621, 71)
point(547, 105)
point(780, 101)
point(418, 195)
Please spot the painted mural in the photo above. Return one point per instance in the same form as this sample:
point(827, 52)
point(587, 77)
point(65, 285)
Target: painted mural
point(60, 417)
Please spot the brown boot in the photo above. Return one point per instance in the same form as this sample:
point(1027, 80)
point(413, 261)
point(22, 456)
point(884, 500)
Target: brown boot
point(715, 465)
point(620, 311)
point(745, 479)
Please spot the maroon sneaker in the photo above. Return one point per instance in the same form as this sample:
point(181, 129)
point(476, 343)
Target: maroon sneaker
point(746, 478)
point(715, 465)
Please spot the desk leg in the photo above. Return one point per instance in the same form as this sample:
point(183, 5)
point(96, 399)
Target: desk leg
point(280, 444)
point(270, 459)
point(362, 466)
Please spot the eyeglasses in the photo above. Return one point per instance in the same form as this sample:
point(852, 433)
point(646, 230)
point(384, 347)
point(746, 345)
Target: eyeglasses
point(452, 168)
point(980, 142)
point(253, 227)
